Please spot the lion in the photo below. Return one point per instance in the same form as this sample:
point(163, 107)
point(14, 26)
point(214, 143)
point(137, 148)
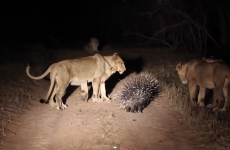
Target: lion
point(210, 60)
point(212, 75)
point(96, 69)
point(92, 46)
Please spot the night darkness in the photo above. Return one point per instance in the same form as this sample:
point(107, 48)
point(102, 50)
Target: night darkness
point(110, 21)
point(30, 22)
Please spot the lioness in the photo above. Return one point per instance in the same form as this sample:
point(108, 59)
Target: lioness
point(212, 75)
point(92, 46)
point(95, 69)
point(210, 60)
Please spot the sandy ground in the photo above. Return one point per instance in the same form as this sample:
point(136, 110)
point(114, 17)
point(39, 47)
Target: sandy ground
point(98, 126)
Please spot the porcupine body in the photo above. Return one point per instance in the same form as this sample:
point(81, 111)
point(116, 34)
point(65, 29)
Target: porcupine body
point(138, 92)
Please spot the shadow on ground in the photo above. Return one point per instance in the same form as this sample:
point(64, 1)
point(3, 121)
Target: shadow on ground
point(132, 65)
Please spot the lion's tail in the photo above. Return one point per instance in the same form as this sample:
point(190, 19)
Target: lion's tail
point(39, 77)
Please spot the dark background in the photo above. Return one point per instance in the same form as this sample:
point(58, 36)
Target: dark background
point(34, 21)
point(198, 26)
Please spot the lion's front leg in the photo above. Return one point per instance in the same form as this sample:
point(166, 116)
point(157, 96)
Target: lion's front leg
point(84, 91)
point(96, 84)
point(201, 96)
point(192, 92)
point(103, 92)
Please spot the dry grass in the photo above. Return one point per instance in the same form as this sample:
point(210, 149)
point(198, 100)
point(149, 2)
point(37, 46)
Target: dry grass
point(14, 96)
point(212, 127)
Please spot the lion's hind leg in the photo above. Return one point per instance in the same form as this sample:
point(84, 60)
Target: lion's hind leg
point(61, 86)
point(51, 99)
point(216, 96)
point(226, 94)
point(84, 91)
point(52, 91)
point(59, 102)
point(220, 103)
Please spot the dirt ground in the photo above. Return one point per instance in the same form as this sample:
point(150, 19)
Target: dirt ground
point(99, 126)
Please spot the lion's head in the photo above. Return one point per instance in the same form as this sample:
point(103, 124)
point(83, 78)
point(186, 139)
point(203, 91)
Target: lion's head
point(181, 70)
point(118, 64)
point(94, 43)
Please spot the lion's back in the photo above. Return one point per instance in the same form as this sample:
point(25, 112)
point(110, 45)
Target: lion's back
point(209, 74)
point(87, 68)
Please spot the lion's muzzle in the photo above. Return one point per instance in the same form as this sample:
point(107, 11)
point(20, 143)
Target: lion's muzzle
point(120, 72)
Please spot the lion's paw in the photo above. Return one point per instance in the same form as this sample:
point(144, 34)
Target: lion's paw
point(215, 109)
point(61, 107)
point(52, 104)
point(64, 105)
point(84, 97)
point(95, 100)
point(223, 109)
point(201, 104)
point(194, 105)
point(107, 99)
point(209, 106)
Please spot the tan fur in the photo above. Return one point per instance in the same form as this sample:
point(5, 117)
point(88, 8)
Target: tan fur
point(79, 72)
point(210, 60)
point(92, 46)
point(215, 75)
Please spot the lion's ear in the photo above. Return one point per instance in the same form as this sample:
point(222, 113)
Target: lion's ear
point(178, 66)
point(115, 56)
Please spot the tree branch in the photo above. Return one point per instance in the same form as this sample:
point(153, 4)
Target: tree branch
point(150, 38)
point(169, 27)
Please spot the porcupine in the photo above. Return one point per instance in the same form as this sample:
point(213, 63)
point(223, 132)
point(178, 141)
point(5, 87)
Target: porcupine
point(139, 92)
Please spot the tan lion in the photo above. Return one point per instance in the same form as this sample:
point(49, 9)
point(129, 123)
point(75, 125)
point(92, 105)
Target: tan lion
point(212, 75)
point(210, 60)
point(96, 69)
point(92, 46)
